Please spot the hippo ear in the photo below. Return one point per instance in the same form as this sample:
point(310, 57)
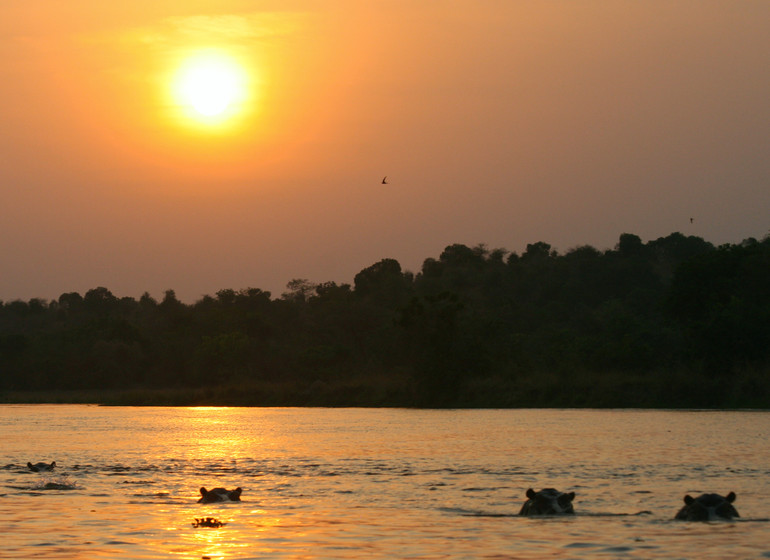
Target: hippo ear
point(571, 496)
point(731, 497)
point(236, 494)
point(53, 464)
point(531, 494)
point(30, 465)
point(204, 491)
point(688, 499)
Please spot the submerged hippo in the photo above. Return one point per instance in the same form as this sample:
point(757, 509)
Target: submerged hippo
point(708, 507)
point(548, 501)
point(219, 495)
point(208, 522)
point(42, 467)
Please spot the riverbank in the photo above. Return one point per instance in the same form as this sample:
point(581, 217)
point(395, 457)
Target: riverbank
point(748, 390)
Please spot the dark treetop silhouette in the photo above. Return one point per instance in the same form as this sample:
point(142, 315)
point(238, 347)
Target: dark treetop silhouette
point(671, 322)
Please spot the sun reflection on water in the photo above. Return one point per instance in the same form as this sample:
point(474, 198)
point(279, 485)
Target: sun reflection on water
point(234, 536)
point(218, 434)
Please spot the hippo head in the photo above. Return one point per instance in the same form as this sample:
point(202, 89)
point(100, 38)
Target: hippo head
point(548, 501)
point(219, 495)
point(708, 507)
point(42, 467)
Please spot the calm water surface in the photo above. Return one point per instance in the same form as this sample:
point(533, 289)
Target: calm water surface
point(377, 483)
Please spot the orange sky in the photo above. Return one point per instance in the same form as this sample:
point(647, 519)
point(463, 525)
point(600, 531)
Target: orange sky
point(502, 122)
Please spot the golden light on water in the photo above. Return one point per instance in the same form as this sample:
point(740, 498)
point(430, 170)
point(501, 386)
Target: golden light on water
point(217, 423)
point(212, 89)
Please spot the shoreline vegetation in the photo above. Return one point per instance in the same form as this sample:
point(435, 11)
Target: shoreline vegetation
point(662, 391)
point(671, 323)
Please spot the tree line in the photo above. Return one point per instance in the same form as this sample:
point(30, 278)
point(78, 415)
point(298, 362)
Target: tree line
point(672, 322)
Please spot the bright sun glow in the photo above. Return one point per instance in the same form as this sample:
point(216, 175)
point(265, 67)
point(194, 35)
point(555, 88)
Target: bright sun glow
point(211, 86)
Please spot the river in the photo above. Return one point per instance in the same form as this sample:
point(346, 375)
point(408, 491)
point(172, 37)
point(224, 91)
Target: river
point(377, 483)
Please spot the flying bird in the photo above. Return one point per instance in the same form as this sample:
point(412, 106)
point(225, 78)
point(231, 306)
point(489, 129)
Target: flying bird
point(384, 182)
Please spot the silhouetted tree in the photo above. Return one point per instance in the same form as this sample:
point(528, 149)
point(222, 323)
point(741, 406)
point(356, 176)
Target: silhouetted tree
point(630, 245)
point(384, 283)
point(674, 316)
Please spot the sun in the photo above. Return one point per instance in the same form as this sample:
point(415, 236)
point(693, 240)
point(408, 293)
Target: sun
point(211, 87)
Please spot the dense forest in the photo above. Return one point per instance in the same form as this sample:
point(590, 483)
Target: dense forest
point(674, 322)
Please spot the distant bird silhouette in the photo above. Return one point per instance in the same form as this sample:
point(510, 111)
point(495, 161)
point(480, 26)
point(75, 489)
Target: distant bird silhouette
point(691, 220)
point(384, 182)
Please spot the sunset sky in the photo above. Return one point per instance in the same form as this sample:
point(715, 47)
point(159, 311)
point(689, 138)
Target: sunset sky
point(502, 122)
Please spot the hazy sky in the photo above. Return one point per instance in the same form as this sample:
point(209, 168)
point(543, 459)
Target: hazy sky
point(503, 122)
